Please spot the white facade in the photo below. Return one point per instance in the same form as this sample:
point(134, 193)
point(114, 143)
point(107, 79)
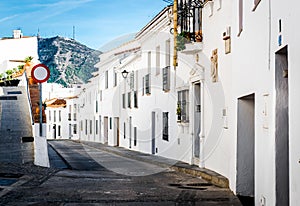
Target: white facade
point(243, 125)
point(16, 49)
point(62, 118)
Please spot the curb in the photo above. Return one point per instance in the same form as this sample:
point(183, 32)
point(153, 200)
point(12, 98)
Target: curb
point(63, 159)
point(206, 174)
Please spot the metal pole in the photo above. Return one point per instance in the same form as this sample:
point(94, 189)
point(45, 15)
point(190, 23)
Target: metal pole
point(175, 19)
point(41, 110)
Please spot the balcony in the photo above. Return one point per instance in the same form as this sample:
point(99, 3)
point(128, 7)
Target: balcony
point(192, 48)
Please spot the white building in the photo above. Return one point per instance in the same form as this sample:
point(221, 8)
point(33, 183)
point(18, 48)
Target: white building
point(15, 49)
point(235, 92)
point(61, 111)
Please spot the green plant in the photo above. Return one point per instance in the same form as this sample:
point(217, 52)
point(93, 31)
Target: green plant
point(28, 59)
point(182, 39)
point(20, 67)
point(1, 76)
point(9, 73)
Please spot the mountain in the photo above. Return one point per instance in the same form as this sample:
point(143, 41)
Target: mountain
point(69, 61)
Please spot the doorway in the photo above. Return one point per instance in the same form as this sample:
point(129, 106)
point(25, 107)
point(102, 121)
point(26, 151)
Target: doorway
point(54, 131)
point(245, 181)
point(117, 131)
point(197, 122)
point(105, 130)
point(100, 132)
point(153, 133)
point(282, 127)
point(130, 131)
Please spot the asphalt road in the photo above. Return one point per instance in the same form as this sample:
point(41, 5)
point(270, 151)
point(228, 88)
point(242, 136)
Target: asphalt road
point(96, 177)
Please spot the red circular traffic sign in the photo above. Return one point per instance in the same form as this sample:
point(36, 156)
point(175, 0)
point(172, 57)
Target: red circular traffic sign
point(40, 73)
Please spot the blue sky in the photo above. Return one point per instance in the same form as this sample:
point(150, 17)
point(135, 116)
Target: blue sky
point(96, 21)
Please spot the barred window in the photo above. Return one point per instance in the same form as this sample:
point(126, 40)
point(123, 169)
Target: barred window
point(165, 131)
point(147, 84)
point(129, 99)
point(183, 105)
point(124, 101)
point(166, 79)
point(75, 129)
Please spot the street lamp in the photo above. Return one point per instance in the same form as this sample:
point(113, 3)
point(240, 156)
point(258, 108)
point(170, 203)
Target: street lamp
point(125, 74)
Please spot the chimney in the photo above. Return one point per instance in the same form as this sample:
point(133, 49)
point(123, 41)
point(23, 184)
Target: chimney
point(17, 34)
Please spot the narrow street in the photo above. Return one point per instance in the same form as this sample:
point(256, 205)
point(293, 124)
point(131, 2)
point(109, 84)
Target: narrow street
point(91, 176)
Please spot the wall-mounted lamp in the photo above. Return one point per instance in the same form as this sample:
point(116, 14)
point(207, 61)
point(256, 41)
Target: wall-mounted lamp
point(124, 73)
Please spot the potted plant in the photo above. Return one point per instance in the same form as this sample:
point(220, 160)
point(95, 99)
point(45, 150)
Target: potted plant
point(9, 81)
point(182, 39)
point(2, 80)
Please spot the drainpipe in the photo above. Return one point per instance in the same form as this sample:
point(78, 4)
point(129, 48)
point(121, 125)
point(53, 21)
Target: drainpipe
point(202, 133)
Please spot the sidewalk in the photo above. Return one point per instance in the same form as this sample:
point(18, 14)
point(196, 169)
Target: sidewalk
point(179, 166)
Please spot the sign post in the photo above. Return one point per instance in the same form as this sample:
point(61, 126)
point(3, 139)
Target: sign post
point(40, 73)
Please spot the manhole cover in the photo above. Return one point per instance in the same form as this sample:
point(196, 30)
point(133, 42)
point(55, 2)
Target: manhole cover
point(7, 181)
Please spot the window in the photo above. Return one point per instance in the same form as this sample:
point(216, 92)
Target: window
point(54, 116)
point(147, 84)
point(69, 116)
point(240, 17)
point(143, 89)
point(81, 125)
point(124, 101)
point(59, 115)
point(97, 106)
point(135, 99)
point(74, 116)
point(166, 79)
point(100, 94)
point(132, 80)
point(134, 136)
point(75, 129)
point(124, 130)
point(149, 62)
point(165, 126)
point(96, 126)
point(129, 99)
point(115, 78)
point(59, 131)
point(183, 106)
point(110, 123)
point(157, 60)
point(168, 53)
point(256, 2)
point(91, 126)
point(50, 115)
point(86, 127)
point(106, 79)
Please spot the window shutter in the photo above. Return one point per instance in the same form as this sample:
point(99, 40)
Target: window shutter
point(147, 83)
point(165, 126)
point(132, 80)
point(143, 89)
point(166, 79)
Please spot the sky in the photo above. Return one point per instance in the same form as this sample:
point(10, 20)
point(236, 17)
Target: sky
point(96, 22)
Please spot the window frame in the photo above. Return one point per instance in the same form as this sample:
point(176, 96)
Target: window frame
point(165, 126)
point(184, 105)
